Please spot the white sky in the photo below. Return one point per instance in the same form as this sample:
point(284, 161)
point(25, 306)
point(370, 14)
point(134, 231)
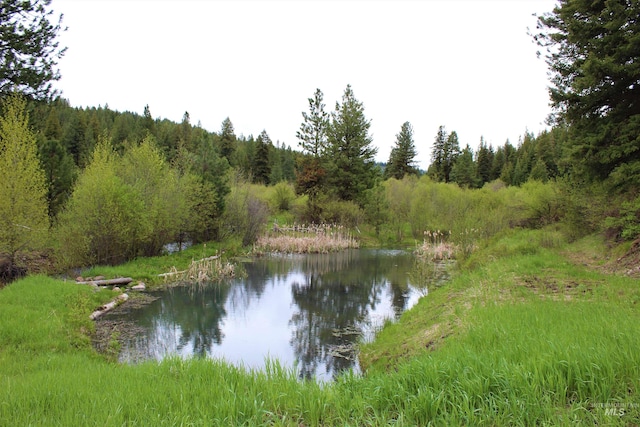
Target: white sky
point(466, 64)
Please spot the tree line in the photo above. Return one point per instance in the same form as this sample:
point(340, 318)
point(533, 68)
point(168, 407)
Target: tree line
point(164, 181)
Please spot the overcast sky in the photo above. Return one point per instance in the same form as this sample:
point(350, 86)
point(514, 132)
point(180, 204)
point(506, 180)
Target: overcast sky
point(467, 65)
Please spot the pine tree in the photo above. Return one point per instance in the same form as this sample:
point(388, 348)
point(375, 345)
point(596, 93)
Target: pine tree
point(451, 153)
point(352, 168)
point(24, 221)
point(148, 123)
point(593, 52)
point(484, 162)
point(401, 160)
point(227, 140)
point(445, 150)
point(261, 164)
point(312, 135)
point(60, 172)
point(29, 50)
point(464, 170)
point(438, 156)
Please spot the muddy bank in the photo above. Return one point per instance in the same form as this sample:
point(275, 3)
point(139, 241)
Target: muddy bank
point(112, 327)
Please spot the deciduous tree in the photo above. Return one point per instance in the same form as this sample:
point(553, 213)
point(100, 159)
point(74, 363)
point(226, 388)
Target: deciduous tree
point(24, 222)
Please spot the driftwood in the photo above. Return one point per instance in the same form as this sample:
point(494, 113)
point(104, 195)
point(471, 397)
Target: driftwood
point(109, 306)
point(118, 281)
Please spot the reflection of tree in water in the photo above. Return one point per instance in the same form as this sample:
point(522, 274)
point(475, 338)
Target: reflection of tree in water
point(251, 287)
point(333, 299)
point(195, 316)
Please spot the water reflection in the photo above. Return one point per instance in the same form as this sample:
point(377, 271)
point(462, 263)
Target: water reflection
point(305, 310)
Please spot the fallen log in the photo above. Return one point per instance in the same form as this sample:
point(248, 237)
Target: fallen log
point(109, 306)
point(106, 282)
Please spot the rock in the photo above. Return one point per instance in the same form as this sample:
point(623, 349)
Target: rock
point(79, 279)
point(98, 278)
point(139, 287)
point(117, 289)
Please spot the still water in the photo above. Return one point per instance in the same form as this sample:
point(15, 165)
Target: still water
point(307, 311)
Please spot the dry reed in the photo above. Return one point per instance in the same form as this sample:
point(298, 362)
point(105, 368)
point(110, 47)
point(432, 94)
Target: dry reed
point(314, 238)
point(435, 247)
point(210, 269)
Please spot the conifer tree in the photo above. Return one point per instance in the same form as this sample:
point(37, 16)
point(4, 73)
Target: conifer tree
point(312, 138)
point(352, 167)
point(445, 150)
point(261, 164)
point(29, 51)
point(60, 172)
point(484, 162)
point(464, 170)
point(593, 53)
point(401, 160)
point(227, 140)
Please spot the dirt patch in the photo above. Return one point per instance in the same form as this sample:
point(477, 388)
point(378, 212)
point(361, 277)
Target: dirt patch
point(557, 288)
point(605, 262)
point(629, 263)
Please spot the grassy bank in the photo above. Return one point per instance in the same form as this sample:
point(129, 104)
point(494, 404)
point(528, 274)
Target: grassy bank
point(149, 269)
point(524, 337)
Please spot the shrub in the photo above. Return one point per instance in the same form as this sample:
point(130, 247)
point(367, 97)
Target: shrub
point(626, 224)
point(341, 212)
point(283, 196)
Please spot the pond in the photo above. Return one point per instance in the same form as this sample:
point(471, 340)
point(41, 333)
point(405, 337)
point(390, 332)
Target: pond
point(307, 311)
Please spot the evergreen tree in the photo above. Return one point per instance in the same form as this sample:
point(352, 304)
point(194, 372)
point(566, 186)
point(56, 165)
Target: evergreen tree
point(352, 169)
point(74, 139)
point(53, 128)
point(436, 169)
point(444, 153)
point(312, 135)
point(451, 153)
point(539, 171)
point(60, 172)
point(261, 164)
point(484, 162)
point(29, 50)
point(464, 171)
point(148, 122)
point(312, 138)
point(227, 140)
point(499, 160)
point(593, 53)
point(401, 160)
point(24, 221)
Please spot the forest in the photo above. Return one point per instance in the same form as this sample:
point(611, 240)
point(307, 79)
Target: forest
point(104, 187)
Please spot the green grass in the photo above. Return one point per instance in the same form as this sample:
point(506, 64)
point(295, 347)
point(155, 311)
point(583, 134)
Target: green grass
point(524, 338)
point(148, 269)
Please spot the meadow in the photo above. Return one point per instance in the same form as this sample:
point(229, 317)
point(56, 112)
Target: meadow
point(523, 335)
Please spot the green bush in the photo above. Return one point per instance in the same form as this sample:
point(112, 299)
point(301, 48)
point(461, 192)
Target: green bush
point(626, 224)
point(282, 196)
point(342, 212)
